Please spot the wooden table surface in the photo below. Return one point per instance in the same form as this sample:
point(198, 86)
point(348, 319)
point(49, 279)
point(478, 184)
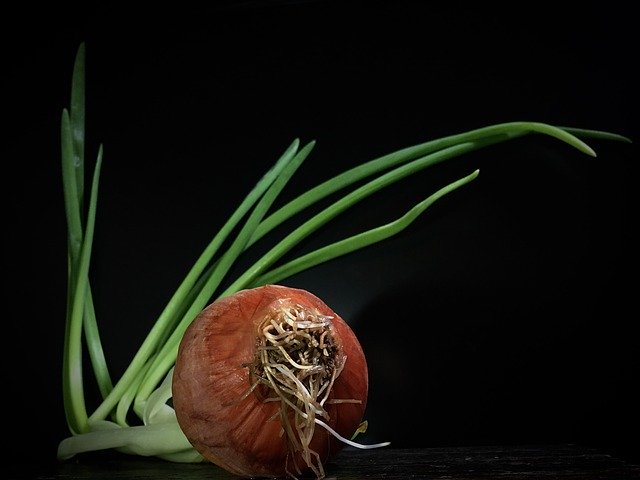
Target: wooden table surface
point(522, 463)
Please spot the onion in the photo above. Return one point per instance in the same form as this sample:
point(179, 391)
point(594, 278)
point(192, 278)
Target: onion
point(263, 377)
point(249, 393)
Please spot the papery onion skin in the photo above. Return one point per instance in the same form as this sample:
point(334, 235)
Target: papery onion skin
point(244, 435)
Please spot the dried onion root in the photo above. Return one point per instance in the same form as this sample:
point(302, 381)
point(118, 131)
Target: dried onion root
point(256, 374)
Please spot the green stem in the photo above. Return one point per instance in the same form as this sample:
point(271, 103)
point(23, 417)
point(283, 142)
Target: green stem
point(598, 134)
point(358, 241)
point(94, 346)
point(72, 362)
point(128, 397)
point(77, 117)
point(70, 189)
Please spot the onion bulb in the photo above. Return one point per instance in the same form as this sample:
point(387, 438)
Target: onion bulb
point(268, 381)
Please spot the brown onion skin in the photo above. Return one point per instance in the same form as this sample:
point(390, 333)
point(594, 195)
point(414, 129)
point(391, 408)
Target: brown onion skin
point(211, 376)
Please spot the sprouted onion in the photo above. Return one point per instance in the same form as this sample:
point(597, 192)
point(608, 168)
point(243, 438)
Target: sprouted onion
point(136, 414)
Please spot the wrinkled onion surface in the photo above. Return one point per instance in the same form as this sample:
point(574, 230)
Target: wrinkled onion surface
point(255, 373)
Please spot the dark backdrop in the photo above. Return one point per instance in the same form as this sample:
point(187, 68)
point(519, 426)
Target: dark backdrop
point(504, 315)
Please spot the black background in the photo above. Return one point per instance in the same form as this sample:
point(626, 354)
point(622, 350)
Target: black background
point(504, 315)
